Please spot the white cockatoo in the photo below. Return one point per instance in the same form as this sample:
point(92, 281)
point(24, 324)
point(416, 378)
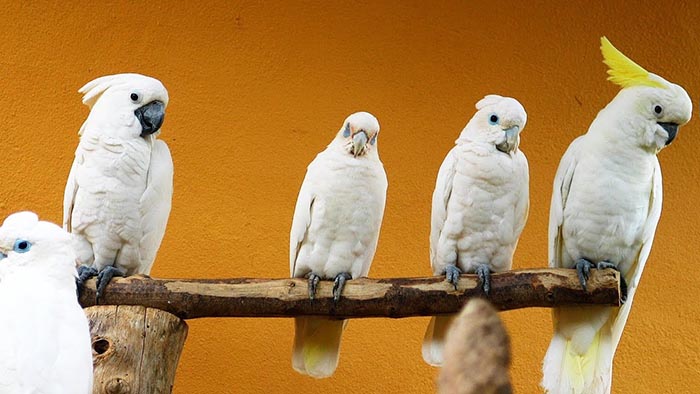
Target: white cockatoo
point(334, 232)
point(45, 345)
point(480, 204)
point(606, 203)
point(119, 190)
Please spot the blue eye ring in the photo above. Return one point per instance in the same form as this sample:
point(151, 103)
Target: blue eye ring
point(493, 119)
point(22, 246)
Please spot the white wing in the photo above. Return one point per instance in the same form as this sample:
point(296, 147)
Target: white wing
point(441, 197)
point(522, 207)
point(69, 197)
point(301, 221)
point(560, 192)
point(635, 272)
point(155, 204)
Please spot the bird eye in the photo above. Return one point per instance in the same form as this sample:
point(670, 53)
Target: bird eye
point(493, 119)
point(135, 97)
point(22, 246)
point(658, 110)
point(346, 132)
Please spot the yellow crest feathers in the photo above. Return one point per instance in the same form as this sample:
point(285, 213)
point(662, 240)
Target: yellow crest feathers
point(622, 71)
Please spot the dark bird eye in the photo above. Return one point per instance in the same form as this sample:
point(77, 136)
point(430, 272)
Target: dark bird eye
point(493, 119)
point(658, 109)
point(134, 97)
point(22, 246)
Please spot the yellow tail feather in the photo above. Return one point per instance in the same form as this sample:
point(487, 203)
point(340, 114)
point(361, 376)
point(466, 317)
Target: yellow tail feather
point(317, 345)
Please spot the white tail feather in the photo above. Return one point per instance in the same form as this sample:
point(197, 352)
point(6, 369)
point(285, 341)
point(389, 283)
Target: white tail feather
point(434, 340)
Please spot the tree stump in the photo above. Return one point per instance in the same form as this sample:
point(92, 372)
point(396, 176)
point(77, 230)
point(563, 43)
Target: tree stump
point(135, 349)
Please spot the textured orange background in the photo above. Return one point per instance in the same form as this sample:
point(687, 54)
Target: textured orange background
point(258, 89)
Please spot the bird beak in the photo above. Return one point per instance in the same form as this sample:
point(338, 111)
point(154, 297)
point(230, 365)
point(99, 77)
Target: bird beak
point(359, 140)
point(151, 117)
point(511, 141)
point(2, 256)
point(671, 129)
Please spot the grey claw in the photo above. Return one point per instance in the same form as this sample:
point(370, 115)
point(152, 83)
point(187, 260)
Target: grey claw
point(84, 273)
point(339, 284)
point(583, 268)
point(484, 274)
point(103, 278)
point(313, 284)
point(452, 274)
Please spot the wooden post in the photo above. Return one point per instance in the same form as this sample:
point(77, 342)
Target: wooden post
point(135, 349)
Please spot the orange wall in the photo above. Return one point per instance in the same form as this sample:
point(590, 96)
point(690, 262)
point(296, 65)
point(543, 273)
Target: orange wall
point(258, 89)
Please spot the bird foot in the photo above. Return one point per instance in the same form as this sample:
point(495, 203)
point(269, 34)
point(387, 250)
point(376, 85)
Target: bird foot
point(452, 274)
point(583, 268)
point(339, 284)
point(84, 273)
point(103, 277)
point(313, 284)
point(484, 273)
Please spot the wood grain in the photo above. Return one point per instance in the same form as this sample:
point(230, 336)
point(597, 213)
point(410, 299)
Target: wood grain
point(135, 349)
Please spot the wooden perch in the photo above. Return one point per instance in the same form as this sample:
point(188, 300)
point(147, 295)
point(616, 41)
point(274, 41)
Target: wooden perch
point(364, 297)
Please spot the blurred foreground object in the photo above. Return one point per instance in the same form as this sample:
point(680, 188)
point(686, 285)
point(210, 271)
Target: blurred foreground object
point(477, 355)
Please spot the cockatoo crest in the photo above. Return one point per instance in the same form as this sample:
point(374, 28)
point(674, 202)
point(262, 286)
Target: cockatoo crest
point(623, 71)
point(650, 108)
point(489, 99)
point(95, 88)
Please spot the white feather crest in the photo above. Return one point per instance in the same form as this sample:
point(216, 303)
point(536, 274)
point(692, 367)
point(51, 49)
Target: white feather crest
point(489, 99)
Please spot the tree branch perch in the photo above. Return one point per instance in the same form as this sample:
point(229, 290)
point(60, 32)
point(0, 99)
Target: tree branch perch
point(364, 297)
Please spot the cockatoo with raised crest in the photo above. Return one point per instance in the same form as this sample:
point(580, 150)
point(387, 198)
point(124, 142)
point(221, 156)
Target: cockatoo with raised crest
point(334, 232)
point(480, 204)
point(45, 345)
point(118, 195)
point(606, 203)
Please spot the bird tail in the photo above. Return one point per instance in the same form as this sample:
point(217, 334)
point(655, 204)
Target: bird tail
point(568, 370)
point(316, 345)
point(434, 340)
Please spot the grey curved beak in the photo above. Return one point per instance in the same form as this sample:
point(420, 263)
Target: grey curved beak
point(671, 129)
point(151, 117)
point(511, 141)
point(359, 140)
